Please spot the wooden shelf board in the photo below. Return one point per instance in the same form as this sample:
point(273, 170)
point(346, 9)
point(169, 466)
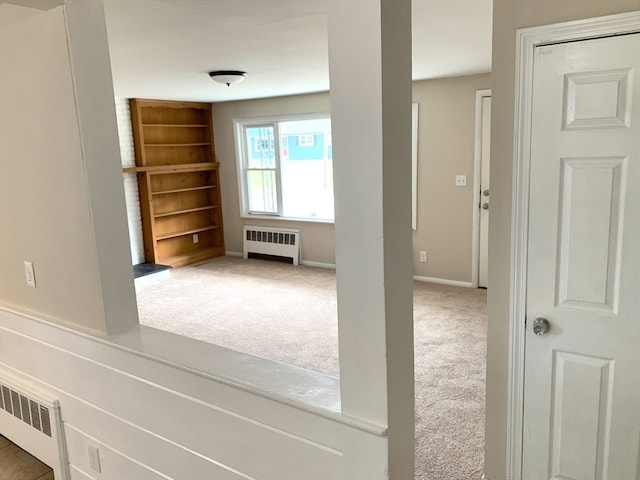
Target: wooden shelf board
point(193, 257)
point(186, 232)
point(185, 210)
point(181, 167)
point(174, 104)
point(176, 125)
point(179, 190)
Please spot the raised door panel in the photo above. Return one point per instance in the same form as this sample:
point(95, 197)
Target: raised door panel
point(581, 423)
point(591, 203)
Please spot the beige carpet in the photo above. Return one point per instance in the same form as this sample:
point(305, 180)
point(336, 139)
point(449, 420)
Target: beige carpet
point(288, 314)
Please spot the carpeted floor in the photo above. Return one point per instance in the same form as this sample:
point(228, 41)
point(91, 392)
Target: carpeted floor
point(286, 313)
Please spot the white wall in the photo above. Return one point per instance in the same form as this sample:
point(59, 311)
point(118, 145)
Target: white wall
point(446, 144)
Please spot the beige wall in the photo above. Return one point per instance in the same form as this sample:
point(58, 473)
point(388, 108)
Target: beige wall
point(317, 239)
point(445, 148)
point(61, 203)
point(446, 136)
point(37, 224)
point(508, 16)
point(40, 157)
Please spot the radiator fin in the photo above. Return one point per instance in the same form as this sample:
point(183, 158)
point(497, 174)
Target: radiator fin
point(6, 396)
point(271, 237)
point(26, 409)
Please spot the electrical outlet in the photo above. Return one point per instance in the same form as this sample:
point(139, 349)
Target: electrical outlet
point(29, 274)
point(461, 180)
point(423, 256)
point(94, 458)
point(196, 239)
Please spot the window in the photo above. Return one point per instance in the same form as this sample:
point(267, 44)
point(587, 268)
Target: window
point(285, 167)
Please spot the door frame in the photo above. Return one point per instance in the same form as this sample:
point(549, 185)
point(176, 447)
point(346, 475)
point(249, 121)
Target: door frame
point(526, 41)
point(477, 160)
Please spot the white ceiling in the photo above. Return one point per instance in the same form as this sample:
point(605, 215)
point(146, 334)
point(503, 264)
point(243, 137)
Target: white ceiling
point(164, 48)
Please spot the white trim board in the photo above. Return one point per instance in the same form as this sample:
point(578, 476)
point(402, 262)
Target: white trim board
point(442, 281)
point(414, 166)
point(309, 263)
point(526, 42)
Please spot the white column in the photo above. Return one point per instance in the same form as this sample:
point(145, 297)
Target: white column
point(95, 107)
point(370, 72)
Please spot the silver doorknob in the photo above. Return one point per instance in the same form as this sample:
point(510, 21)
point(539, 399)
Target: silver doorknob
point(485, 206)
point(541, 326)
point(485, 193)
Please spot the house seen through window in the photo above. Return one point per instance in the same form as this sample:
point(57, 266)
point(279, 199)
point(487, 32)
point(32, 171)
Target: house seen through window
point(286, 167)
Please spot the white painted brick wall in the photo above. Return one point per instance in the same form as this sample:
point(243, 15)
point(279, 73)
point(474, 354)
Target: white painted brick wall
point(132, 199)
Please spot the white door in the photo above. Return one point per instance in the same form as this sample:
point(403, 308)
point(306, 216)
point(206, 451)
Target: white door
point(485, 146)
point(582, 378)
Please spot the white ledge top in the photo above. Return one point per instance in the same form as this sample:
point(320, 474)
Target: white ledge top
point(286, 383)
point(294, 386)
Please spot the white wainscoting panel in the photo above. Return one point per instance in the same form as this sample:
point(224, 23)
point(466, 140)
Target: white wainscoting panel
point(152, 420)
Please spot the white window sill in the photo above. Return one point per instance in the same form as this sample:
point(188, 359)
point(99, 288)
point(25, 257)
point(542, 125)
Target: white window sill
point(286, 219)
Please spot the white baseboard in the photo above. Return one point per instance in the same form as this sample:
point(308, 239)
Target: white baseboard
point(233, 254)
point(443, 281)
point(318, 264)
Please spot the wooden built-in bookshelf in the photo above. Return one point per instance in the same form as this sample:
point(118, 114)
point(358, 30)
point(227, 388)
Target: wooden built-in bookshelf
point(178, 181)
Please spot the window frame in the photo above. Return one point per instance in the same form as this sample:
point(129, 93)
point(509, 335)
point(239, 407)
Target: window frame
point(243, 165)
point(240, 126)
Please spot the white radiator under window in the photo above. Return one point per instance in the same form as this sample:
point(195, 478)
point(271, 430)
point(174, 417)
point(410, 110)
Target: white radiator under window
point(281, 242)
point(30, 418)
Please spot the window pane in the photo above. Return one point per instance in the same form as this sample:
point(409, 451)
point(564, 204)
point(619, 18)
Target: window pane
point(307, 169)
point(261, 189)
point(261, 152)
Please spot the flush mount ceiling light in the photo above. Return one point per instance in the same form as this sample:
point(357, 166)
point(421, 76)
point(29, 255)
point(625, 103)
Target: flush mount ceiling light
point(227, 76)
